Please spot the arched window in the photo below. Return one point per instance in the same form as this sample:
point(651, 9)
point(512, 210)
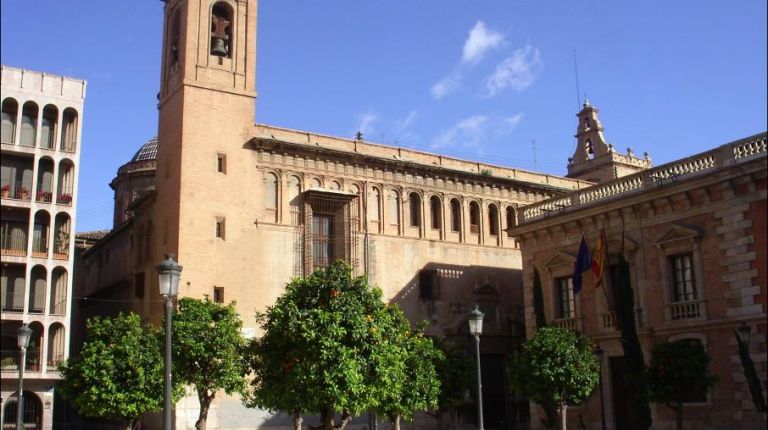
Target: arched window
point(294, 199)
point(511, 220)
point(221, 30)
point(8, 120)
point(56, 345)
point(13, 281)
point(415, 209)
point(33, 410)
point(66, 182)
point(394, 208)
point(35, 348)
point(493, 220)
point(335, 185)
point(455, 215)
point(69, 130)
point(315, 183)
point(374, 213)
point(474, 218)
point(435, 212)
point(48, 127)
point(37, 290)
point(270, 196)
point(40, 233)
point(61, 238)
point(44, 180)
point(59, 280)
point(28, 124)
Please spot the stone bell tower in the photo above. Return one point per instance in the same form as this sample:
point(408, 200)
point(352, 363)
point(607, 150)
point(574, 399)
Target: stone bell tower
point(596, 160)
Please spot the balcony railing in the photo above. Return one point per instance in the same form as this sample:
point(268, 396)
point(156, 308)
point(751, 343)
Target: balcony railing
point(53, 362)
point(695, 165)
point(607, 320)
point(689, 310)
point(64, 196)
point(18, 190)
point(9, 360)
point(44, 196)
point(567, 323)
point(13, 238)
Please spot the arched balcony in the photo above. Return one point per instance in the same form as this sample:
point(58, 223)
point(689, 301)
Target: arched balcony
point(28, 129)
point(35, 348)
point(56, 346)
point(64, 194)
point(493, 220)
point(44, 180)
point(48, 127)
point(33, 411)
point(69, 130)
point(10, 112)
point(221, 30)
point(16, 182)
point(59, 280)
point(37, 290)
point(474, 218)
point(13, 283)
point(61, 237)
point(40, 234)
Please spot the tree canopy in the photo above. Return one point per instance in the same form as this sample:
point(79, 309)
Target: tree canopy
point(557, 366)
point(679, 371)
point(207, 350)
point(118, 374)
point(339, 348)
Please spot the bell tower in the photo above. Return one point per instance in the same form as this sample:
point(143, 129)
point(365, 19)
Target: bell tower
point(595, 160)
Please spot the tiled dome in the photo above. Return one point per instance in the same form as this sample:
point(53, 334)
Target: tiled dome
point(147, 152)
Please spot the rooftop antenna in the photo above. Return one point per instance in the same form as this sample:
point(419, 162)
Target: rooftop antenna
point(576, 72)
point(533, 141)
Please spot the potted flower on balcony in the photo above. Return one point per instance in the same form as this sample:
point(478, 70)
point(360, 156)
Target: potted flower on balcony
point(5, 190)
point(23, 193)
point(43, 196)
point(65, 198)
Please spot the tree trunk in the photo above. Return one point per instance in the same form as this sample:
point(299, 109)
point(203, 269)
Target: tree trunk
point(346, 418)
point(297, 420)
point(561, 415)
point(205, 405)
point(394, 421)
point(679, 416)
point(327, 417)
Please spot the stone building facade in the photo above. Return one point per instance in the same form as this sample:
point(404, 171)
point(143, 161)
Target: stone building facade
point(694, 233)
point(41, 129)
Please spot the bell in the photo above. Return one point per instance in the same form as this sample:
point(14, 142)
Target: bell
point(219, 47)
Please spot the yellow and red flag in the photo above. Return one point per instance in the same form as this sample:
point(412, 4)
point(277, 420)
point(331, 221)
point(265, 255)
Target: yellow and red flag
point(598, 258)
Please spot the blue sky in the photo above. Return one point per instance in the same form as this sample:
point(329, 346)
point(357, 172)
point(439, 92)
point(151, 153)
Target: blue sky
point(479, 80)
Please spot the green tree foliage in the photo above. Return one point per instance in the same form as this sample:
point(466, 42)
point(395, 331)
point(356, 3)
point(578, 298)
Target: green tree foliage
point(677, 370)
point(557, 366)
point(207, 350)
point(538, 300)
point(456, 373)
point(331, 345)
point(118, 373)
point(636, 380)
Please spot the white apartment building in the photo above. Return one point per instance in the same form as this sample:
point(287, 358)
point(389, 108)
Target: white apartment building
point(41, 141)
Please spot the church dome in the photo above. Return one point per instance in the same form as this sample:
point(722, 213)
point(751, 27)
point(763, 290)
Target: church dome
point(148, 151)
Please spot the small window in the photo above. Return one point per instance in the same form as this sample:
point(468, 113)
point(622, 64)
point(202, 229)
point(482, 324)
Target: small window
point(138, 286)
point(218, 294)
point(493, 220)
point(474, 218)
point(221, 163)
point(436, 212)
point(428, 284)
point(455, 215)
point(415, 209)
point(220, 228)
point(566, 305)
point(683, 282)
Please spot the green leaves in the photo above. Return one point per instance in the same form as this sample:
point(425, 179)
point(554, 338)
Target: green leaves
point(557, 366)
point(331, 344)
point(119, 371)
point(678, 370)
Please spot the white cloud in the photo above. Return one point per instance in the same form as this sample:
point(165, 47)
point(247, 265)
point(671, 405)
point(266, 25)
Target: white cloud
point(480, 41)
point(466, 132)
point(473, 131)
point(405, 123)
point(446, 86)
point(366, 122)
point(517, 72)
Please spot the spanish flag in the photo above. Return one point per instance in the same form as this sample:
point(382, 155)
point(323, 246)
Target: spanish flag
point(598, 258)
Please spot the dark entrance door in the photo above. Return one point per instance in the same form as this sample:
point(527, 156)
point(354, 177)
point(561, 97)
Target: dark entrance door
point(623, 410)
point(494, 411)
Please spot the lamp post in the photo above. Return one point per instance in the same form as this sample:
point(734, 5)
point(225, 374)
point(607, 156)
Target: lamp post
point(475, 319)
point(745, 333)
point(600, 353)
point(168, 274)
point(22, 337)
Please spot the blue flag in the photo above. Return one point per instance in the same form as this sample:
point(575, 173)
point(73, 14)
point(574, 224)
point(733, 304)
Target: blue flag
point(583, 263)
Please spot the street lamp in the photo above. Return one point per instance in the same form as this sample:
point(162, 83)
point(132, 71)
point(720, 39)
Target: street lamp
point(22, 337)
point(745, 333)
point(600, 353)
point(475, 319)
point(168, 274)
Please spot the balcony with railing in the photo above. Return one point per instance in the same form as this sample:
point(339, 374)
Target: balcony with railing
point(64, 196)
point(567, 323)
point(687, 310)
point(9, 360)
point(696, 165)
point(13, 238)
point(16, 190)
